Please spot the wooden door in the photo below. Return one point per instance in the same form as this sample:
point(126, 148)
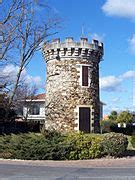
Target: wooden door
point(84, 119)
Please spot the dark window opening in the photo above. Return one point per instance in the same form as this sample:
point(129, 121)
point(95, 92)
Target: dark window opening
point(34, 110)
point(84, 75)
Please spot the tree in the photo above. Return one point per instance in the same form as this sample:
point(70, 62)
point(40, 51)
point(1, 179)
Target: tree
point(24, 30)
point(113, 116)
point(22, 93)
point(10, 113)
point(124, 117)
point(7, 28)
point(3, 109)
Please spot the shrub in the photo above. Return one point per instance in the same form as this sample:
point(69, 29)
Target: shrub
point(73, 146)
point(133, 140)
point(33, 146)
point(38, 147)
point(114, 144)
point(84, 146)
point(28, 146)
point(49, 134)
point(5, 147)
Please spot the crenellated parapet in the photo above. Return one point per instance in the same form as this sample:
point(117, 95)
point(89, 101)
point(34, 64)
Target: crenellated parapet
point(71, 49)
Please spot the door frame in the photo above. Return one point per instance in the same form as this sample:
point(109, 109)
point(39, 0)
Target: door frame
point(77, 116)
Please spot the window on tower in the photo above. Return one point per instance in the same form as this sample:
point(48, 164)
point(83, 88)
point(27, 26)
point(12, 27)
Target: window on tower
point(84, 75)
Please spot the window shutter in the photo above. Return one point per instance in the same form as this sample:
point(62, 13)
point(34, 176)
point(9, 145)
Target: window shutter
point(84, 75)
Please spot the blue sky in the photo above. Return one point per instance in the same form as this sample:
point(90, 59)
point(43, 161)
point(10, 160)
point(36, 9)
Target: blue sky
point(112, 22)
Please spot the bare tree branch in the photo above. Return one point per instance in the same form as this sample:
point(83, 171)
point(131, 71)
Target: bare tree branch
point(23, 33)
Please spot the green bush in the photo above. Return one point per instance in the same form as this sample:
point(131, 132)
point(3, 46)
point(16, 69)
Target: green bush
point(33, 146)
point(114, 144)
point(28, 146)
point(133, 140)
point(51, 134)
point(73, 146)
point(5, 150)
point(84, 146)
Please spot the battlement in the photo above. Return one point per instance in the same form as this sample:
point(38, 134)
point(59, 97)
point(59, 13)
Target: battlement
point(69, 48)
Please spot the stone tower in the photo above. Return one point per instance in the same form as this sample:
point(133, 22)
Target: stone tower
point(72, 85)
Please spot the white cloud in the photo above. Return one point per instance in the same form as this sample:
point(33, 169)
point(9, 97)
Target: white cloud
point(113, 83)
point(115, 99)
point(37, 79)
point(110, 83)
point(9, 70)
point(128, 74)
point(9, 73)
point(30, 79)
point(132, 44)
point(120, 8)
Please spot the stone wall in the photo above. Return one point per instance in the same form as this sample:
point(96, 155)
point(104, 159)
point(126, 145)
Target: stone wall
point(64, 93)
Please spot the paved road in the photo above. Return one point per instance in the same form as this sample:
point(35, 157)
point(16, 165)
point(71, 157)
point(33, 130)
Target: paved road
point(55, 171)
point(22, 172)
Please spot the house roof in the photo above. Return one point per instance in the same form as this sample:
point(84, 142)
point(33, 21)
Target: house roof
point(38, 97)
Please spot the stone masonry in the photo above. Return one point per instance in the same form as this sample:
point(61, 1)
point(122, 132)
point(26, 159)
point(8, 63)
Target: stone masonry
point(64, 90)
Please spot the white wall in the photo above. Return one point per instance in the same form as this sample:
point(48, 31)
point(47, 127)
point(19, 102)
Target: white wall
point(39, 117)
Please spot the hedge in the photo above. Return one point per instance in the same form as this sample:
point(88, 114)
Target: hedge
point(84, 146)
point(54, 146)
point(114, 144)
point(133, 140)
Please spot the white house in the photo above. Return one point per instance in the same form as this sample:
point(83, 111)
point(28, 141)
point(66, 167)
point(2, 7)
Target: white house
point(34, 108)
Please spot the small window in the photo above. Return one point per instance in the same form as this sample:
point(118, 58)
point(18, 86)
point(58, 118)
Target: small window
point(84, 75)
point(34, 110)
